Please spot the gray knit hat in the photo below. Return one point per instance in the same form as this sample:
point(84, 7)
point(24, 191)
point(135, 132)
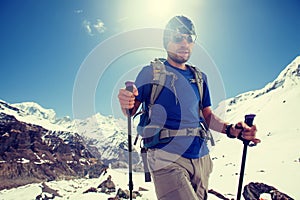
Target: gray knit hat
point(180, 24)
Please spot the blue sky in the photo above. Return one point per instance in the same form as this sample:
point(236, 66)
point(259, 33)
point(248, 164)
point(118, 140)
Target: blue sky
point(46, 46)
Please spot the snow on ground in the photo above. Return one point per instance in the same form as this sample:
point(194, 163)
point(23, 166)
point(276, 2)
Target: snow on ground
point(73, 189)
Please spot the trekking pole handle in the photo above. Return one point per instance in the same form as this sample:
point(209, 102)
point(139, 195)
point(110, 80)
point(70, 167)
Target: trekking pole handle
point(129, 87)
point(249, 121)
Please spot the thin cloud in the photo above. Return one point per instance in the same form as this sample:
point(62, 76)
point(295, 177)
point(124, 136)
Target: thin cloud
point(87, 27)
point(78, 11)
point(98, 27)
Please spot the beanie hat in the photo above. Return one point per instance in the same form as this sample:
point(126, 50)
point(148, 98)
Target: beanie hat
point(179, 24)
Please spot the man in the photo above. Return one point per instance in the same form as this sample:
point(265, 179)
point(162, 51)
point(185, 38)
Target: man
point(180, 165)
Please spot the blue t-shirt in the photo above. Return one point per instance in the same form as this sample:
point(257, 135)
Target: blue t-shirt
point(176, 107)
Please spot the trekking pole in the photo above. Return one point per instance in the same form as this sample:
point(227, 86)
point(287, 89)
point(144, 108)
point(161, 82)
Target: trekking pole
point(129, 87)
point(249, 121)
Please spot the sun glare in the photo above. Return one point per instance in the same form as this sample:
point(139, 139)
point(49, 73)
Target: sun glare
point(147, 13)
point(135, 14)
point(159, 8)
point(159, 11)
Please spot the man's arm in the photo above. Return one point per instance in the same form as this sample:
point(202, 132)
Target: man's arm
point(213, 121)
point(217, 124)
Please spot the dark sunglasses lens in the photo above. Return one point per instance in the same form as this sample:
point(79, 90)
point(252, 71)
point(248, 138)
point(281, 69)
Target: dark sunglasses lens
point(180, 38)
point(177, 38)
point(191, 38)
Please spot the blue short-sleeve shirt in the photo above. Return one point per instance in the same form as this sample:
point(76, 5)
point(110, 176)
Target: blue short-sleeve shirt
point(176, 107)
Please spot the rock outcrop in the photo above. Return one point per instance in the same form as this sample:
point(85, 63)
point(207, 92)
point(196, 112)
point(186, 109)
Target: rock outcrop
point(254, 190)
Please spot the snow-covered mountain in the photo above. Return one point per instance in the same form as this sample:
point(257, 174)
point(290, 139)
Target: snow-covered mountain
point(33, 113)
point(287, 82)
point(34, 109)
point(109, 135)
point(276, 161)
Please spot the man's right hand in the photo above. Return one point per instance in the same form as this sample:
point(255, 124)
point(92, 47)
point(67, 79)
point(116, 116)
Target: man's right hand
point(127, 98)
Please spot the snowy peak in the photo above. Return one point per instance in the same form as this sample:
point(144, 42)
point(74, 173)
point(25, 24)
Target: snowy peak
point(286, 85)
point(96, 126)
point(33, 113)
point(289, 77)
point(7, 107)
point(293, 69)
point(291, 72)
point(31, 108)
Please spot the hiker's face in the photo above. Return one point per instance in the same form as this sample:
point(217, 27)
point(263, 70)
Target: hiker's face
point(180, 47)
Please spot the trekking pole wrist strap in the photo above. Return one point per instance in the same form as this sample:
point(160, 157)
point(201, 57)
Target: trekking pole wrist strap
point(227, 131)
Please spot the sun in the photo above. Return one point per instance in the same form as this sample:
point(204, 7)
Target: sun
point(160, 11)
point(159, 8)
point(137, 14)
point(147, 13)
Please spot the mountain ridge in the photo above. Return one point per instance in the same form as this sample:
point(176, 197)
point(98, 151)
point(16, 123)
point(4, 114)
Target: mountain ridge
point(289, 78)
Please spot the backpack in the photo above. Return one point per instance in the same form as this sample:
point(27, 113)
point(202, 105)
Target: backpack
point(151, 138)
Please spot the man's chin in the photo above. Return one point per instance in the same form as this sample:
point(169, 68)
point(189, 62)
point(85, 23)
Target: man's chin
point(182, 59)
point(179, 58)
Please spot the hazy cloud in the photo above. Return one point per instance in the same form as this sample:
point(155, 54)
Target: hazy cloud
point(99, 26)
point(87, 26)
point(78, 11)
point(96, 27)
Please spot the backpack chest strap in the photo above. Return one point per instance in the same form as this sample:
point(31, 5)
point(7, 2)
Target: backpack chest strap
point(167, 133)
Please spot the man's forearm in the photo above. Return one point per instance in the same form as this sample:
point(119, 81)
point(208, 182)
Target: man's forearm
point(214, 122)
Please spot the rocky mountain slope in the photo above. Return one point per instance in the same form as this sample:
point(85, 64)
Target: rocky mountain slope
point(30, 153)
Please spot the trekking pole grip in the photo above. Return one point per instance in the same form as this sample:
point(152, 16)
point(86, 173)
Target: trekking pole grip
point(129, 87)
point(249, 121)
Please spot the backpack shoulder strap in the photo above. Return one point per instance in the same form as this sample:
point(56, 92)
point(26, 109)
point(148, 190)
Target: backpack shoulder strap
point(160, 74)
point(199, 82)
point(159, 78)
point(158, 81)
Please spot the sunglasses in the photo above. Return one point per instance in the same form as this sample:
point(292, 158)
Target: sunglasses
point(177, 38)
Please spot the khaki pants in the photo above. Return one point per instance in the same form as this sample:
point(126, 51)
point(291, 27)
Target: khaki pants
point(178, 178)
